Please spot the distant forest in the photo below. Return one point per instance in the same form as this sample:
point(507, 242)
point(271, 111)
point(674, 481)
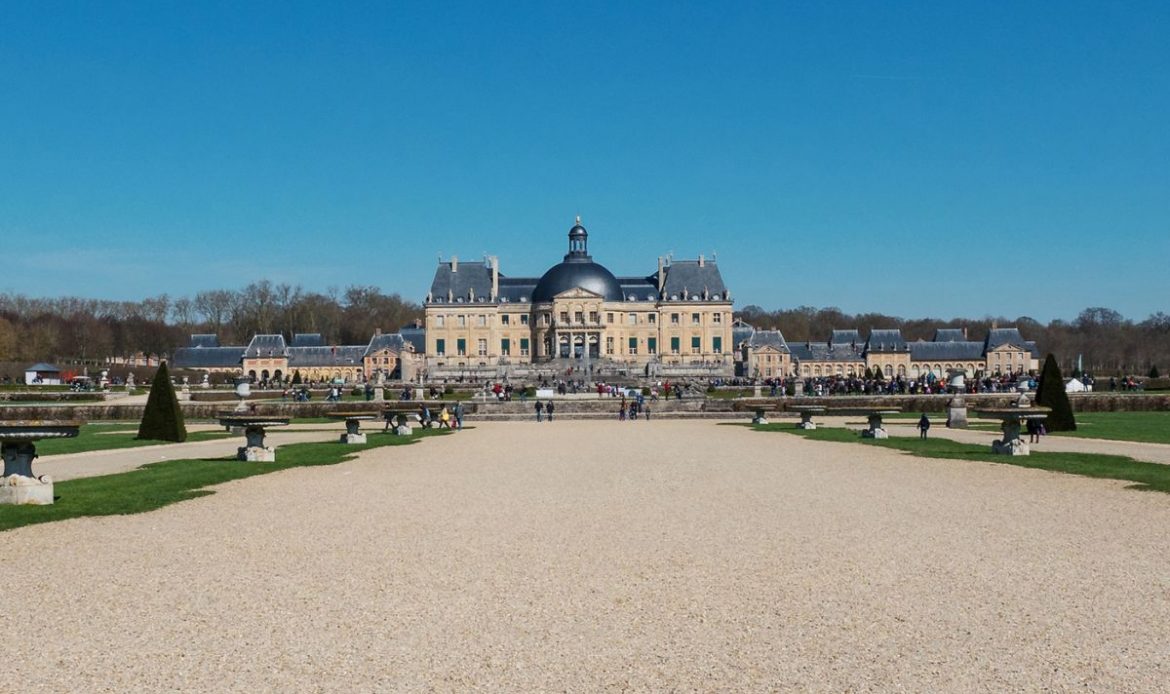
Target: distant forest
point(72, 329)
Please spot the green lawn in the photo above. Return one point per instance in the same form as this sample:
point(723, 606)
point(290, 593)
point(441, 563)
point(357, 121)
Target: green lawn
point(1144, 475)
point(1144, 427)
point(159, 484)
point(102, 438)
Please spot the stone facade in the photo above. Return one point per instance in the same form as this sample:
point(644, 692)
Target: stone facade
point(766, 354)
point(478, 320)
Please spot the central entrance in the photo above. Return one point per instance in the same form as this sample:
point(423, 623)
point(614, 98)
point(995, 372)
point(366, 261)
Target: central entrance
point(574, 345)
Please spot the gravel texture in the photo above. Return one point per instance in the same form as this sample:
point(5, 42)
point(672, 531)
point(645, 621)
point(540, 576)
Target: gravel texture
point(605, 556)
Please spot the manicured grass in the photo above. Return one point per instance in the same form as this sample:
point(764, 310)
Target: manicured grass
point(102, 439)
point(156, 485)
point(1144, 427)
point(1151, 476)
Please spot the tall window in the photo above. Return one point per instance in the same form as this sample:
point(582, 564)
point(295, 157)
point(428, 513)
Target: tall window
point(633, 319)
point(651, 343)
point(565, 317)
point(609, 318)
point(652, 318)
point(609, 345)
point(717, 318)
point(593, 317)
point(461, 347)
point(696, 344)
point(674, 319)
point(481, 320)
point(717, 344)
point(633, 345)
point(674, 344)
point(505, 347)
point(462, 320)
point(439, 321)
point(524, 346)
point(481, 347)
point(695, 319)
point(440, 347)
point(523, 319)
point(504, 319)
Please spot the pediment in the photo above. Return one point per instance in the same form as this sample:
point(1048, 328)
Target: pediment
point(577, 293)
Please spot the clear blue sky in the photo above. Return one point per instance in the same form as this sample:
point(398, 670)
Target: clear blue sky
point(921, 159)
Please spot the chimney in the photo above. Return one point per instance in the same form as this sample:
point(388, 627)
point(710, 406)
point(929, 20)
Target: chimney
point(964, 332)
point(702, 260)
point(495, 278)
point(661, 273)
point(377, 332)
point(454, 263)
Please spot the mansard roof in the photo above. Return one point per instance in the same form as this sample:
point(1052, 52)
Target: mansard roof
point(206, 357)
point(823, 351)
point(456, 281)
point(885, 341)
point(845, 337)
point(948, 350)
point(391, 341)
point(998, 337)
point(266, 346)
point(767, 338)
point(416, 336)
point(307, 340)
point(950, 335)
point(687, 279)
point(338, 355)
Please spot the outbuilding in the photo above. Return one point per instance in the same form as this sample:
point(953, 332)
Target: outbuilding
point(42, 375)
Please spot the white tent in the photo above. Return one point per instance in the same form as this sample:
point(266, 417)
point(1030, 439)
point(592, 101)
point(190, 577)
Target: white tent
point(1074, 385)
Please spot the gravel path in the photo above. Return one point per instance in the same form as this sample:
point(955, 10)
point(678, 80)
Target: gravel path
point(603, 556)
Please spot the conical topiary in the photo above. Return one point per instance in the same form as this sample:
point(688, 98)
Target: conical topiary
point(1050, 393)
point(297, 377)
point(162, 420)
point(1154, 371)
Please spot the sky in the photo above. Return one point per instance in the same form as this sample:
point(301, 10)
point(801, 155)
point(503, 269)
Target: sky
point(918, 159)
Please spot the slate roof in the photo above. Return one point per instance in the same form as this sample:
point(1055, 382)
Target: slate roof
point(204, 340)
point(641, 288)
point(307, 340)
point(948, 350)
point(768, 338)
point(416, 336)
point(342, 355)
point(1005, 336)
point(741, 332)
point(207, 357)
point(391, 341)
point(845, 337)
point(265, 346)
point(823, 351)
point(688, 275)
point(885, 341)
point(949, 335)
point(457, 284)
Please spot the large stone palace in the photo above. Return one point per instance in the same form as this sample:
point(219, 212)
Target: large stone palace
point(676, 320)
point(579, 318)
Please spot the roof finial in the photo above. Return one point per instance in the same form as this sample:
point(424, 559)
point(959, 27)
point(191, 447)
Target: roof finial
point(578, 219)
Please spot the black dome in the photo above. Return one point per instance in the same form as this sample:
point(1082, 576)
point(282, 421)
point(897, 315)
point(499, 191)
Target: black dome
point(577, 270)
point(587, 275)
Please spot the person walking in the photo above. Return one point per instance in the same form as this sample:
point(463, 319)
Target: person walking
point(923, 426)
point(550, 407)
point(459, 415)
point(539, 411)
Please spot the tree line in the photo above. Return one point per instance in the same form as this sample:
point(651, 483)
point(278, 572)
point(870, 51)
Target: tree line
point(75, 329)
point(1106, 342)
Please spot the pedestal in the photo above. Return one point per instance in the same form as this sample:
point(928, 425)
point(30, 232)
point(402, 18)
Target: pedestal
point(1010, 444)
point(403, 430)
point(957, 413)
point(21, 490)
point(256, 454)
point(878, 433)
point(798, 387)
point(807, 425)
point(353, 438)
point(759, 391)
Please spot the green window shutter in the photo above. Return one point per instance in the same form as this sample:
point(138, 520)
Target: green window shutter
point(440, 346)
point(462, 345)
point(674, 344)
point(633, 343)
point(524, 343)
point(652, 344)
point(696, 342)
point(506, 345)
point(717, 344)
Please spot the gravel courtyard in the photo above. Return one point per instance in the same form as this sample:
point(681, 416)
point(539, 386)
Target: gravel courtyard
point(605, 556)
